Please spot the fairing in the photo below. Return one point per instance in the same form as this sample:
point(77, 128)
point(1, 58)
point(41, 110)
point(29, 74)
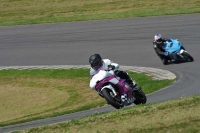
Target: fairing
point(173, 46)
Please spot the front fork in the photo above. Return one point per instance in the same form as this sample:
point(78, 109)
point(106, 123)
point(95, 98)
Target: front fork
point(180, 53)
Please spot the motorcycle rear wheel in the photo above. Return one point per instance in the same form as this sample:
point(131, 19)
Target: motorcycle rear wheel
point(107, 95)
point(140, 97)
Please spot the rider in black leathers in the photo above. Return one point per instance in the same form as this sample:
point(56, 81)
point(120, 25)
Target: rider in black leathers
point(158, 45)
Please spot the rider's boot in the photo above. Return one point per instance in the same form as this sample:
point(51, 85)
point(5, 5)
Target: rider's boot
point(131, 82)
point(136, 89)
point(134, 86)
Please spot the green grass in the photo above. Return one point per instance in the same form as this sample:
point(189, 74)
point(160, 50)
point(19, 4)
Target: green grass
point(27, 95)
point(18, 12)
point(180, 115)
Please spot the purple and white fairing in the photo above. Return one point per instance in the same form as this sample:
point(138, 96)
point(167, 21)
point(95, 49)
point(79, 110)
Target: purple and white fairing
point(102, 77)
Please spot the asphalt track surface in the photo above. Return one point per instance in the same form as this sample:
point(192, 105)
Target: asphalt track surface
point(125, 41)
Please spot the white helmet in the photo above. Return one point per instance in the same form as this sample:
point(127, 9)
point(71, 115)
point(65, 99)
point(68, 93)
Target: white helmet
point(158, 38)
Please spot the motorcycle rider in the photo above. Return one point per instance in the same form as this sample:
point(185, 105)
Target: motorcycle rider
point(159, 44)
point(97, 63)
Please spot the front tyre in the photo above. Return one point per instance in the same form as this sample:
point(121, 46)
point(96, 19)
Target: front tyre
point(187, 56)
point(165, 61)
point(108, 96)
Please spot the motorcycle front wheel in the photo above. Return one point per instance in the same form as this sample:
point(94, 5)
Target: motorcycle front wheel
point(165, 61)
point(109, 98)
point(187, 56)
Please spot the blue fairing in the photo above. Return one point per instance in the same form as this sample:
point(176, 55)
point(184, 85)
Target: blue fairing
point(172, 46)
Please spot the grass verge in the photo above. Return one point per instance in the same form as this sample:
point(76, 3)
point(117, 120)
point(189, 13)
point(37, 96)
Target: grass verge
point(180, 115)
point(18, 12)
point(27, 95)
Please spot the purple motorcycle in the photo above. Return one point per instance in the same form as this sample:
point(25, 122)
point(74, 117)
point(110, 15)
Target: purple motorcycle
point(111, 87)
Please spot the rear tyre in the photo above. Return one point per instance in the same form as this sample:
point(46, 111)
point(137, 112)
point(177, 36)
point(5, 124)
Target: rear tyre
point(187, 56)
point(140, 97)
point(108, 96)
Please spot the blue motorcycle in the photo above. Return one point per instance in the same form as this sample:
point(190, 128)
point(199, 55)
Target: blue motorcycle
point(176, 51)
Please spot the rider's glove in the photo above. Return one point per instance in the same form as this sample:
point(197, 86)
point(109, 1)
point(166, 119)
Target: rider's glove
point(166, 53)
point(111, 67)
